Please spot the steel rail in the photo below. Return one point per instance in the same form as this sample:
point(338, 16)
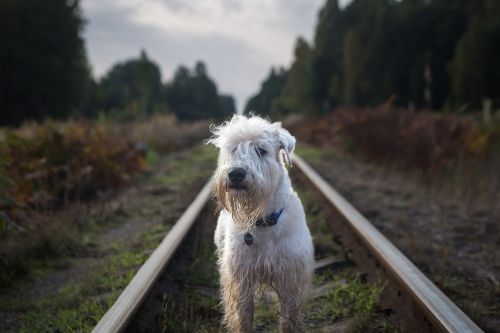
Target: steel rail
point(119, 315)
point(441, 311)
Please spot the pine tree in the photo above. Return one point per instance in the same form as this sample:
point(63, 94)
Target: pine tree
point(193, 95)
point(132, 87)
point(296, 94)
point(476, 67)
point(327, 57)
point(270, 89)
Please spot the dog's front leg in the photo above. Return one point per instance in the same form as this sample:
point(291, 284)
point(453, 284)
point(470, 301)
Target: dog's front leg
point(289, 296)
point(238, 300)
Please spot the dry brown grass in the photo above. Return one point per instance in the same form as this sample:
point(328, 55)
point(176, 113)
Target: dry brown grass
point(52, 163)
point(386, 134)
point(165, 133)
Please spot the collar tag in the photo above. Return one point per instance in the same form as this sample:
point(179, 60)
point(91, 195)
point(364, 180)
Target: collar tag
point(248, 239)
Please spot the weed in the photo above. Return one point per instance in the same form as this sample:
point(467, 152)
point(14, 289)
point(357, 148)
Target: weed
point(195, 308)
point(348, 298)
point(311, 154)
point(324, 239)
point(178, 173)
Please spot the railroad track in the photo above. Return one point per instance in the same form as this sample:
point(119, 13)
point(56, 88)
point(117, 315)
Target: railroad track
point(408, 300)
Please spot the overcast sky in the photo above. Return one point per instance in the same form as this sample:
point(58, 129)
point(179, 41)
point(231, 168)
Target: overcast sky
point(238, 40)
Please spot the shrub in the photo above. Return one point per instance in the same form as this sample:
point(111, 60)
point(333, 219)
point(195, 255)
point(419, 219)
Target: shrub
point(45, 165)
point(423, 140)
point(385, 134)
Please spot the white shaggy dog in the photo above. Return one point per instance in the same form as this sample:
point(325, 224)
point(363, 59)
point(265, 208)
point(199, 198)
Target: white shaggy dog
point(261, 235)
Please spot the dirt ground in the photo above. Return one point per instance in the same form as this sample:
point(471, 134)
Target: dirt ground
point(455, 243)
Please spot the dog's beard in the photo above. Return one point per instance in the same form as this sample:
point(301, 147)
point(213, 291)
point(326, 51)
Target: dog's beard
point(245, 206)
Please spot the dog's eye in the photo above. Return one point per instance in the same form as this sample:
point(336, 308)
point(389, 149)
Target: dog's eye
point(260, 151)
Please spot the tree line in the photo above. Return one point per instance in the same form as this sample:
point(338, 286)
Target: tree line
point(434, 54)
point(44, 73)
point(134, 88)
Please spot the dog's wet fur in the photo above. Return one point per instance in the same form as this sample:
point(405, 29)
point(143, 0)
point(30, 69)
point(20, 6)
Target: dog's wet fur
point(280, 256)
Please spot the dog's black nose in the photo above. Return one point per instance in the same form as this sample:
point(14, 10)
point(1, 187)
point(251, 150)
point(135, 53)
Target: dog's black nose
point(237, 175)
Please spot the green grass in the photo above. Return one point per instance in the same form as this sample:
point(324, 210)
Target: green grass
point(180, 173)
point(78, 306)
point(312, 154)
point(266, 316)
point(321, 230)
point(350, 298)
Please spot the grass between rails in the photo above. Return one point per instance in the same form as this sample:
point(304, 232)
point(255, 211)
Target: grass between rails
point(195, 307)
point(71, 292)
point(349, 296)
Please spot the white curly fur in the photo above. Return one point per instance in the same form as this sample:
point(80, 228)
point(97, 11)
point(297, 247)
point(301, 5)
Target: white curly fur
point(281, 256)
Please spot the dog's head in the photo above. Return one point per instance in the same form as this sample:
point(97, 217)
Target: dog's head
point(252, 157)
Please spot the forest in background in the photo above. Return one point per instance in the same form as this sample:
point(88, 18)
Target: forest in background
point(420, 54)
point(44, 73)
point(437, 55)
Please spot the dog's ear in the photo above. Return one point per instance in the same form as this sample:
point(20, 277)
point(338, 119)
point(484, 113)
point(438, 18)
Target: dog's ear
point(287, 144)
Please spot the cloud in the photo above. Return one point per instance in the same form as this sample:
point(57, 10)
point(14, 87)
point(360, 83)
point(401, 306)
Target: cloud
point(238, 40)
point(256, 23)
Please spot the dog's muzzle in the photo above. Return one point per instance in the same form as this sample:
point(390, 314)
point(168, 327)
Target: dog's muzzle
point(236, 177)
